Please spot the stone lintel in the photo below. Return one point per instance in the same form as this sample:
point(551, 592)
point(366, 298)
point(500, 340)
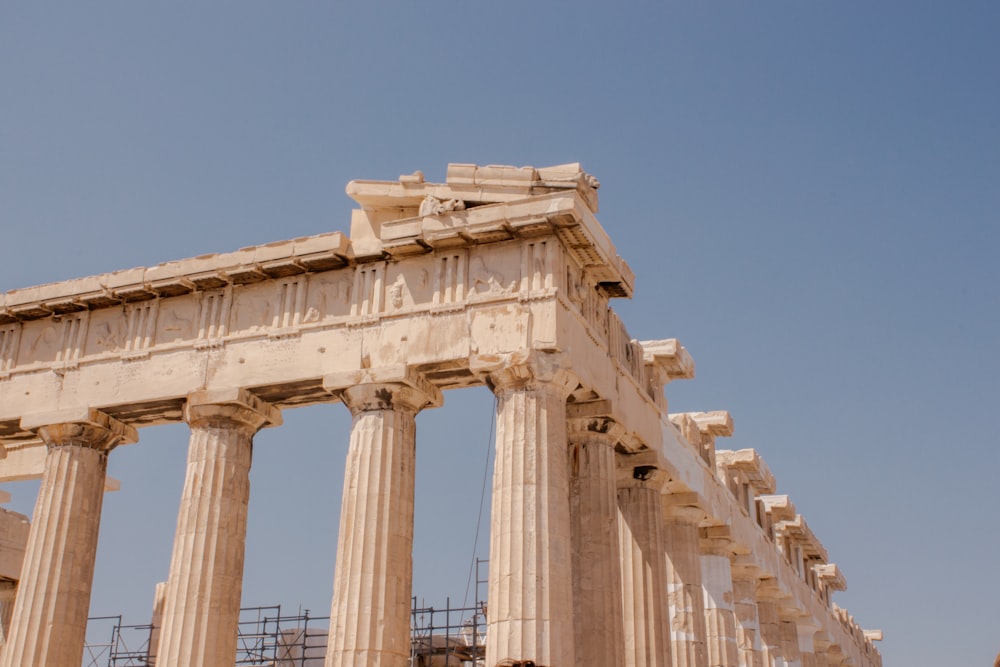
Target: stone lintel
point(230, 404)
point(315, 253)
point(715, 423)
point(831, 576)
point(669, 357)
point(423, 391)
point(779, 506)
point(798, 531)
point(874, 635)
point(475, 184)
point(751, 465)
point(99, 428)
point(594, 417)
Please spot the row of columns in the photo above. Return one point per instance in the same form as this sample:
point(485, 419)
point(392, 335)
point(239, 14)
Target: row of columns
point(590, 563)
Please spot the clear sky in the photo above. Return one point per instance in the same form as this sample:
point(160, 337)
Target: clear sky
point(808, 193)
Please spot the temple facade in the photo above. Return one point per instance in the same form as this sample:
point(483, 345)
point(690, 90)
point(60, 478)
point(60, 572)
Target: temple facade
point(619, 533)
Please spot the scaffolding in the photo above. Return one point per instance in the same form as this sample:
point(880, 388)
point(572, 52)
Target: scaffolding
point(268, 637)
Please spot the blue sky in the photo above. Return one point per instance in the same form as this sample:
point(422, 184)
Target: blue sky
point(808, 194)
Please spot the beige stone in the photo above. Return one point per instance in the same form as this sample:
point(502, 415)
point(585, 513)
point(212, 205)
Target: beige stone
point(597, 583)
point(201, 612)
point(49, 620)
point(500, 276)
point(370, 615)
point(643, 565)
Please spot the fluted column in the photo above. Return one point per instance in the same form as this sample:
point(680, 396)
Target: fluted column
point(50, 611)
point(770, 624)
point(373, 580)
point(745, 609)
point(597, 584)
point(807, 644)
point(202, 609)
point(8, 591)
point(687, 601)
point(789, 638)
point(644, 567)
point(717, 581)
point(530, 615)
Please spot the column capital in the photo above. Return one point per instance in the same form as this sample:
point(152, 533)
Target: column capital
point(715, 541)
point(230, 407)
point(84, 427)
point(640, 470)
point(388, 396)
point(385, 388)
point(744, 567)
point(683, 508)
point(593, 417)
point(525, 370)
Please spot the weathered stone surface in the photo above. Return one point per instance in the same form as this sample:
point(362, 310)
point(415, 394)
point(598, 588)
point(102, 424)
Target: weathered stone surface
point(370, 615)
point(201, 612)
point(49, 620)
point(499, 276)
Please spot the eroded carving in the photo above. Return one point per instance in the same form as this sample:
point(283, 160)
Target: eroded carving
point(434, 206)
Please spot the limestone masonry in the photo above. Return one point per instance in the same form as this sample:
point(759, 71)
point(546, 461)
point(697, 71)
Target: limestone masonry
point(619, 534)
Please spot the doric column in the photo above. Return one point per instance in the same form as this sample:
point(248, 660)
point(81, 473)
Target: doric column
point(373, 579)
point(530, 615)
point(687, 601)
point(807, 645)
point(745, 609)
point(597, 584)
point(644, 567)
point(8, 591)
point(789, 637)
point(202, 609)
point(770, 623)
point(50, 611)
point(156, 621)
point(717, 581)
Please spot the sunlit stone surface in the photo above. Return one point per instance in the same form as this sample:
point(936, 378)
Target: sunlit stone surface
point(619, 533)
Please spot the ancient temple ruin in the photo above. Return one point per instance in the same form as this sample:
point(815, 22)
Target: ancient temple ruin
point(666, 550)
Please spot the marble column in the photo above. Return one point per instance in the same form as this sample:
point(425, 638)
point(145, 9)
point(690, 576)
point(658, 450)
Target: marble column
point(8, 591)
point(202, 608)
point(644, 568)
point(717, 581)
point(530, 616)
point(49, 623)
point(770, 624)
point(373, 580)
point(597, 583)
point(745, 610)
point(789, 637)
point(807, 644)
point(687, 600)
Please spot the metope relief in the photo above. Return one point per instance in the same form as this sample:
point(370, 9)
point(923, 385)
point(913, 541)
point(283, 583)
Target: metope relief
point(329, 295)
point(489, 280)
point(10, 335)
point(213, 316)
